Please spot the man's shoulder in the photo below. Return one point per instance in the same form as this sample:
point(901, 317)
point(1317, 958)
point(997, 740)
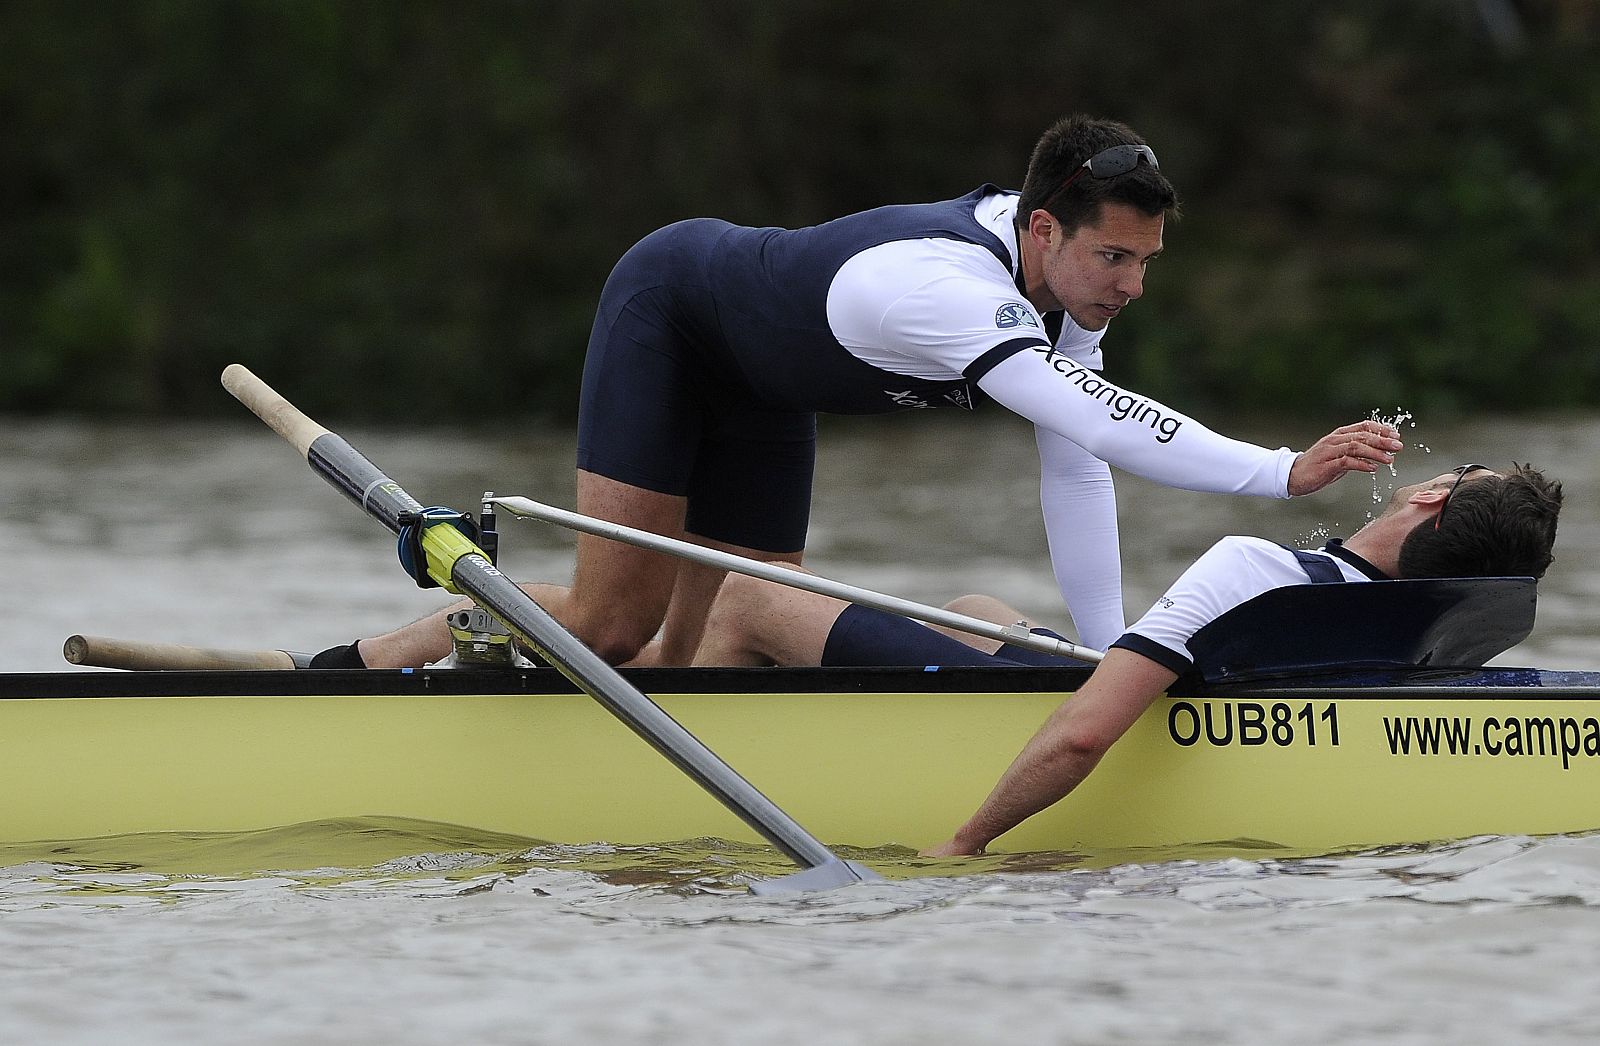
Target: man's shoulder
point(951, 272)
point(1246, 564)
point(1233, 570)
point(1247, 547)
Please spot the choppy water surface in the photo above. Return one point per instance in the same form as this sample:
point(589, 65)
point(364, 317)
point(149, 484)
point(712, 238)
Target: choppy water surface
point(1484, 940)
point(405, 932)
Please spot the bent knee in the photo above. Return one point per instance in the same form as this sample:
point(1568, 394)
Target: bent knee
point(736, 598)
point(741, 600)
point(737, 589)
point(616, 640)
point(986, 608)
point(617, 646)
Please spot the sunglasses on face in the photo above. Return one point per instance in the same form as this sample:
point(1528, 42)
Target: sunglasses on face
point(1119, 159)
point(1461, 473)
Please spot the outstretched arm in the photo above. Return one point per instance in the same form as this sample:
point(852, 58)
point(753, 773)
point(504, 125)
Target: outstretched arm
point(1069, 745)
point(1152, 440)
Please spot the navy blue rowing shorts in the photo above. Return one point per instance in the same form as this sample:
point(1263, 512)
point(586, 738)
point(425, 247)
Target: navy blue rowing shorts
point(660, 409)
point(863, 637)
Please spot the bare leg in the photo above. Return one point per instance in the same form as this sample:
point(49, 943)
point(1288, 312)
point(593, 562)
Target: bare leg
point(620, 595)
point(412, 645)
point(755, 622)
point(428, 639)
point(985, 608)
point(692, 596)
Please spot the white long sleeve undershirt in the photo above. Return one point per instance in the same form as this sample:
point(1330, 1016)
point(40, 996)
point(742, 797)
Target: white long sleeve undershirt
point(1080, 519)
point(1150, 439)
point(1076, 417)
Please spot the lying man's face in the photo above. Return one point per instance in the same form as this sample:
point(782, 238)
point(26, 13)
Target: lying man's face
point(1444, 481)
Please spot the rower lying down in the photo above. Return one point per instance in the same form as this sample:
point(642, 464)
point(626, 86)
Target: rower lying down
point(1471, 522)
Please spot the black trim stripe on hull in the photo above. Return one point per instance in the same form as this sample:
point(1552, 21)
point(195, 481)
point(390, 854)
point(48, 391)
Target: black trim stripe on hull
point(1461, 684)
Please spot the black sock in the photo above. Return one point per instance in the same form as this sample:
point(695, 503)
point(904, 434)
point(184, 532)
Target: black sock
point(339, 657)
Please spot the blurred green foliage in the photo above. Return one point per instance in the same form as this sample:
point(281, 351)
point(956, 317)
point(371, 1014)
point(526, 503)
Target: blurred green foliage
point(404, 206)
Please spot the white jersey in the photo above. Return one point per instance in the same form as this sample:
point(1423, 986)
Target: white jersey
point(1232, 571)
point(942, 309)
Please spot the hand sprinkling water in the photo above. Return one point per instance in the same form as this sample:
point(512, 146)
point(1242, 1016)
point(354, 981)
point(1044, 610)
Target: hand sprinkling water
point(1362, 447)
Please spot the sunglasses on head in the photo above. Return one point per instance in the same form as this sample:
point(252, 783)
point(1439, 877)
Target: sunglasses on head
point(1109, 163)
point(1461, 473)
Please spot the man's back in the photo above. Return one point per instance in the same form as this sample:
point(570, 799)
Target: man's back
point(777, 295)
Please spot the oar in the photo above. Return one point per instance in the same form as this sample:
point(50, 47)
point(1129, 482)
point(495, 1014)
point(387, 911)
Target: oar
point(1017, 635)
point(170, 657)
point(459, 566)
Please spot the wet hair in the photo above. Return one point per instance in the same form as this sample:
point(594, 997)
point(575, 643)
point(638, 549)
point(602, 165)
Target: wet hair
point(1498, 526)
point(1062, 149)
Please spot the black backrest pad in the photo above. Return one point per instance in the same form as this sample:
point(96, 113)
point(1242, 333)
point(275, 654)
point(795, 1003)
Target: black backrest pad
point(1455, 622)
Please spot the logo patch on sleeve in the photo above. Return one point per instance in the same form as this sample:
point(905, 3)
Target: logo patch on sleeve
point(1014, 314)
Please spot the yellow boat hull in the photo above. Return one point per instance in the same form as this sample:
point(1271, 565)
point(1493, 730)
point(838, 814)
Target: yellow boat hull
point(1308, 770)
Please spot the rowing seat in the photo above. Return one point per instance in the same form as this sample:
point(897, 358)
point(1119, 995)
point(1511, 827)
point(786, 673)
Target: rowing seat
point(1444, 622)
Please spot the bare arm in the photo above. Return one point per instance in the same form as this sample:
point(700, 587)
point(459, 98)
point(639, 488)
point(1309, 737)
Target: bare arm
point(1069, 745)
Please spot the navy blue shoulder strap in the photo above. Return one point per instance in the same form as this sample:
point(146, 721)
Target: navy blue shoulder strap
point(1322, 570)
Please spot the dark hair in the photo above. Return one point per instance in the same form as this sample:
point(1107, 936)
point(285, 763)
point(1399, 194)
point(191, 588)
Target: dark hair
point(1498, 526)
point(1062, 149)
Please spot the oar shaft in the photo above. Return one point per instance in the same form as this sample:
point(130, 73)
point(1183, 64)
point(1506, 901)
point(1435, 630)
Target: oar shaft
point(533, 625)
point(471, 572)
point(1013, 634)
point(328, 454)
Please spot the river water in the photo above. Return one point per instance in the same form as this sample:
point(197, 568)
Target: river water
point(218, 535)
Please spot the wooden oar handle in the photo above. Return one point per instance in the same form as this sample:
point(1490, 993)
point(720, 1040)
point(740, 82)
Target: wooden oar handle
point(281, 416)
point(168, 657)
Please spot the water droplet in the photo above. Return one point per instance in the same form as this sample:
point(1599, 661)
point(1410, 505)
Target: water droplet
point(1318, 536)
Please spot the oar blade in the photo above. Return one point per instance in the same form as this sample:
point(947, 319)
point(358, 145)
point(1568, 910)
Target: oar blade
point(829, 875)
